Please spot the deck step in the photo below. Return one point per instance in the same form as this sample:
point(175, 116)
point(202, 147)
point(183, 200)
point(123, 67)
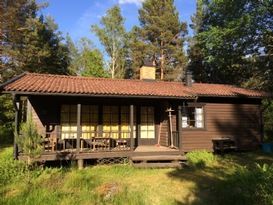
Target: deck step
point(158, 165)
point(159, 158)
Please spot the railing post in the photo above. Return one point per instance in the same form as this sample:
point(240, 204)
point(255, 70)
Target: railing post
point(132, 144)
point(179, 122)
point(79, 130)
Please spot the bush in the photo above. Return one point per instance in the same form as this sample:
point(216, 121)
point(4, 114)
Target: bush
point(200, 158)
point(10, 169)
point(6, 134)
point(247, 186)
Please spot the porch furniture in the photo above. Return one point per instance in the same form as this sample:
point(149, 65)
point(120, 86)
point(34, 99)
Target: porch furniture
point(102, 143)
point(121, 143)
point(50, 142)
point(70, 143)
point(222, 144)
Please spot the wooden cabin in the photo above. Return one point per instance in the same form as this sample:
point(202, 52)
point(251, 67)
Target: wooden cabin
point(93, 118)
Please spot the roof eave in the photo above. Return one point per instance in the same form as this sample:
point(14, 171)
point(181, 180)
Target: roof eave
point(12, 80)
point(99, 95)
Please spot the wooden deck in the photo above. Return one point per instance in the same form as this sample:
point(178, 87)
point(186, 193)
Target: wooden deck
point(74, 155)
point(154, 148)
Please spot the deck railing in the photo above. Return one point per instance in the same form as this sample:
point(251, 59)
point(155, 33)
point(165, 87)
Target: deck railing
point(89, 142)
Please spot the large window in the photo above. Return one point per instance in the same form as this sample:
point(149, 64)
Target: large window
point(111, 121)
point(147, 124)
point(193, 117)
point(115, 121)
point(69, 121)
point(89, 121)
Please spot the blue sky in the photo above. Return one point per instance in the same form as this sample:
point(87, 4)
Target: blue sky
point(76, 16)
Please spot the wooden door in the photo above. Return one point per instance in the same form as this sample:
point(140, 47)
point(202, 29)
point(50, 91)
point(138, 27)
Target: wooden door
point(147, 126)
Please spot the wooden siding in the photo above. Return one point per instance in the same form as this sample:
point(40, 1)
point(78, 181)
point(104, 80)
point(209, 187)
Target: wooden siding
point(239, 121)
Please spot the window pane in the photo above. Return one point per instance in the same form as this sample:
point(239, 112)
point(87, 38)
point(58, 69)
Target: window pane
point(193, 117)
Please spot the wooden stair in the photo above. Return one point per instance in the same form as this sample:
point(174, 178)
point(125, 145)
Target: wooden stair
point(158, 161)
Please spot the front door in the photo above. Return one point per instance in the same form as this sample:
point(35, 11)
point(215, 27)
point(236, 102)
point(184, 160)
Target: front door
point(147, 126)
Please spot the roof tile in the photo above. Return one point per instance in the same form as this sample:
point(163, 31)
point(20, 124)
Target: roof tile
point(59, 84)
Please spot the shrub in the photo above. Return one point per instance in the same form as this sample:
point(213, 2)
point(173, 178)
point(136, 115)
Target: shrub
point(30, 141)
point(10, 169)
point(200, 158)
point(6, 134)
point(247, 186)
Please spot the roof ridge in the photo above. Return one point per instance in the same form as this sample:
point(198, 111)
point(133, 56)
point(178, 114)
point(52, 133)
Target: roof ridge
point(102, 78)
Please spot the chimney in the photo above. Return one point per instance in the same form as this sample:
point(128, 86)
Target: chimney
point(147, 71)
point(188, 79)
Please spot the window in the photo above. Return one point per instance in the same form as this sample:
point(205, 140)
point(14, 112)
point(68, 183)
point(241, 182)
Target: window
point(125, 121)
point(193, 117)
point(147, 127)
point(110, 121)
point(89, 121)
point(69, 121)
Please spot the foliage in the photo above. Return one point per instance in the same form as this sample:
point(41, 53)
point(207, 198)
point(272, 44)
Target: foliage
point(218, 183)
point(113, 37)
point(85, 59)
point(248, 186)
point(162, 35)
point(230, 43)
point(30, 42)
point(10, 169)
point(200, 159)
point(268, 121)
point(6, 119)
point(29, 140)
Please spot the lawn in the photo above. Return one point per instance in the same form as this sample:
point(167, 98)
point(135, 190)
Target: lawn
point(216, 183)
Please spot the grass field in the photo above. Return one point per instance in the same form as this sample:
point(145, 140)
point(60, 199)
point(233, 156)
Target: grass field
point(123, 184)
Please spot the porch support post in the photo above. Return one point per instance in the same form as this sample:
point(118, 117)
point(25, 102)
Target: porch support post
point(16, 105)
point(79, 130)
point(132, 144)
point(179, 122)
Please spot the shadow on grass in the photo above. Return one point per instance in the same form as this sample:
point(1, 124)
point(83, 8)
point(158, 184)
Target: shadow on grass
point(230, 181)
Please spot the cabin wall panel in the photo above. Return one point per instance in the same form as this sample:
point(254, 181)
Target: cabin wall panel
point(239, 121)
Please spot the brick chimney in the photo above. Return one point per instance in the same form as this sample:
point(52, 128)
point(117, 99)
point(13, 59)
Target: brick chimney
point(147, 71)
point(188, 79)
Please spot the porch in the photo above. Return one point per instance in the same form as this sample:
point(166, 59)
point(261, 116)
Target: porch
point(89, 128)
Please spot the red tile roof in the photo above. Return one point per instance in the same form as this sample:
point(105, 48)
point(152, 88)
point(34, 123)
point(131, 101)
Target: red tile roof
point(74, 85)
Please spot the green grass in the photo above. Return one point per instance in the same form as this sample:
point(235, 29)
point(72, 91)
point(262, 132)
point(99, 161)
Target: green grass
point(123, 184)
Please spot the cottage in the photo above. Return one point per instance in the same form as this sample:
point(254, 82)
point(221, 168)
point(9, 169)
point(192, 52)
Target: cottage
point(91, 118)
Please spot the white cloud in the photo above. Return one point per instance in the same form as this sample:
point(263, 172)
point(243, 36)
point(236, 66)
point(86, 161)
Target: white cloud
point(137, 2)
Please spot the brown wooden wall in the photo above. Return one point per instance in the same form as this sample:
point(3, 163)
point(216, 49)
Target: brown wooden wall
point(240, 121)
point(223, 117)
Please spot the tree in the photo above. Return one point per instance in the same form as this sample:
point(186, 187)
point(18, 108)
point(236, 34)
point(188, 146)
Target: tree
point(136, 52)
point(86, 60)
point(28, 42)
point(231, 41)
point(113, 37)
point(196, 55)
point(164, 36)
point(30, 141)
point(72, 55)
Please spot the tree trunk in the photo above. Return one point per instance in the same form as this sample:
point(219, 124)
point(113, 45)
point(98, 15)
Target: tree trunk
point(162, 61)
point(113, 68)
point(162, 64)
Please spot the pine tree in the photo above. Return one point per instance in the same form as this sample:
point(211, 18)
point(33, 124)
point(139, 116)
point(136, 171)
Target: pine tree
point(195, 52)
point(28, 42)
point(164, 36)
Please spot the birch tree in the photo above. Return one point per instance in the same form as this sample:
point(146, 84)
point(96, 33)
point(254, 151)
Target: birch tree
point(113, 37)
